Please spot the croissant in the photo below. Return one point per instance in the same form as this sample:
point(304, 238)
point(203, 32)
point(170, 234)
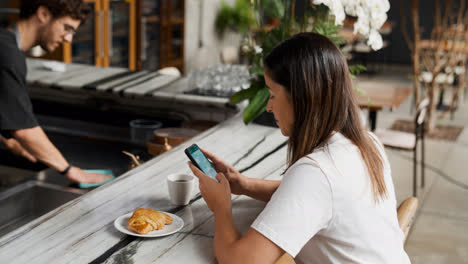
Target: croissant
point(145, 220)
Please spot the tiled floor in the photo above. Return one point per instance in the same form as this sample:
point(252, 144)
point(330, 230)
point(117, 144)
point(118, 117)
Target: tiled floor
point(440, 231)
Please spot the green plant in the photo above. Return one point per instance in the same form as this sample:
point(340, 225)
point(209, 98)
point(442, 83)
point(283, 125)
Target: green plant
point(319, 16)
point(272, 8)
point(238, 17)
point(315, 19)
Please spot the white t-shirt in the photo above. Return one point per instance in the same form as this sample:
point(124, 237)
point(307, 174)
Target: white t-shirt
point(324, 210)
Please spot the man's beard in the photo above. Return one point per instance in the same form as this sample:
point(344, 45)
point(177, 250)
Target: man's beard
point(47, 48)
point(44, 41)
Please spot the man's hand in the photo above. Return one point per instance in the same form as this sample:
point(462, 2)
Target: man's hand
point(77, 175)
point(15, 147)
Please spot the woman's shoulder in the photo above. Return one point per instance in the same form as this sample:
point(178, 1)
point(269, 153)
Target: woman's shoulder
point(306, 170)
point(336, 142)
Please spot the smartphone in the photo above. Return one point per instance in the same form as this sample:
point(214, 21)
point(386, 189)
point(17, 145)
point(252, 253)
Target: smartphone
point(199, 159)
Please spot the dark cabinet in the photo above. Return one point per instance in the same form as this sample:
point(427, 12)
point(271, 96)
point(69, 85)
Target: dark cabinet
point(87, 45)
point(135, 34)
point(160, 34)
point(108, 37)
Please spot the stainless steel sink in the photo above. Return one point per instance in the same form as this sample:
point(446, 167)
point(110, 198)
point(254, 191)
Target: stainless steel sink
point(30, 200)
point(11, 176)
point(53, 177)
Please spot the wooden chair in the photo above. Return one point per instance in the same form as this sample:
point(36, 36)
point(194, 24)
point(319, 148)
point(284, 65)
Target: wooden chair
point(406, 212)
point(285, 259)
point(409, 141)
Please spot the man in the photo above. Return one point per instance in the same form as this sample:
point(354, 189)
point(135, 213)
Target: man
point(47, 23)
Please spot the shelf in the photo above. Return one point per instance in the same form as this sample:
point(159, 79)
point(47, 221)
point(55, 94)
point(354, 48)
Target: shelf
point(120, 33)
point(152, 19)
point(84, 38)
point(162, 34)
point(174, 21)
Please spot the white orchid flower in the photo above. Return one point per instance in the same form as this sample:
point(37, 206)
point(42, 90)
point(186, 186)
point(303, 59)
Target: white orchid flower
point(375, 40)
point(377, 20)
point(258, 49)
point(371, 15)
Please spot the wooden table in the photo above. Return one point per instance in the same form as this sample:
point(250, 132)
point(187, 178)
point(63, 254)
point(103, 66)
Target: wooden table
point(82, 231)
point(375, 96)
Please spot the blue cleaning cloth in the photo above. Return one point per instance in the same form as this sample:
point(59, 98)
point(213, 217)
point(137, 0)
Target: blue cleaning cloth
point(90, 185)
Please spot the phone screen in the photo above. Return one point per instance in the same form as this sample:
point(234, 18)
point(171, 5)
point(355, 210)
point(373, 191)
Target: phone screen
point(199, 159)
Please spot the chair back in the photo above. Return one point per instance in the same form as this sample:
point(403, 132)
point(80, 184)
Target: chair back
point(421, 111)
point(406, 212)
point(285, 259)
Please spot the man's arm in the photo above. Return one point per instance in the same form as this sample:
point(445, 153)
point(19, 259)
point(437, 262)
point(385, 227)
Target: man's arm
point(36, 142)
point(15, 147)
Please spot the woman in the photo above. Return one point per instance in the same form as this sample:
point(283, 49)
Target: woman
point(336, 202)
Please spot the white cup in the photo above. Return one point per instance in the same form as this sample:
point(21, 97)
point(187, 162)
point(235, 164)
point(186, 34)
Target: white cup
point(180, 188)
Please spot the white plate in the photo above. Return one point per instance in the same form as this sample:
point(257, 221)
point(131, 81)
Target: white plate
point(121, 223)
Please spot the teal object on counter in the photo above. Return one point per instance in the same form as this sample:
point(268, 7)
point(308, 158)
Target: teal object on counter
point(90, 185)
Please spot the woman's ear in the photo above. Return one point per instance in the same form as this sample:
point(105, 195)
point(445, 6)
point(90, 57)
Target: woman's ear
point(43, 14)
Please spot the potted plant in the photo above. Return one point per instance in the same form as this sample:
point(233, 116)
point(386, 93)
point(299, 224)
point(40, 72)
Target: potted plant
point(323, 17)
point(237, 18)
point(273, 11)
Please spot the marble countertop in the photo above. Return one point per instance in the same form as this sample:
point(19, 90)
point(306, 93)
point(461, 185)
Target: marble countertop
point(82, 230)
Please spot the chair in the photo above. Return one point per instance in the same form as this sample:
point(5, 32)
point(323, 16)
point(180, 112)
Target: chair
point(285, 259)
point(406, 212)
point(409, 141)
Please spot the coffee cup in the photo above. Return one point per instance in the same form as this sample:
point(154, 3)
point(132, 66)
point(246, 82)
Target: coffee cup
point(180, 188)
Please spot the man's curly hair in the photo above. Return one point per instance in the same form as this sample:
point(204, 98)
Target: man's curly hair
point(76, 9)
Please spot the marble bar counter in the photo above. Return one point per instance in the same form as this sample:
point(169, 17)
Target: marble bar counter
point(151, 92)
point(82, 230)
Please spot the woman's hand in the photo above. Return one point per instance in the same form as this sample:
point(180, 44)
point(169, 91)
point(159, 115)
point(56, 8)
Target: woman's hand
point(217, 195)
point(237, 181)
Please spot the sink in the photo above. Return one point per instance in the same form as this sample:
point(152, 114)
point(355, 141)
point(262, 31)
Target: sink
point(53, 177)
point(27, 201)
point(11, 176)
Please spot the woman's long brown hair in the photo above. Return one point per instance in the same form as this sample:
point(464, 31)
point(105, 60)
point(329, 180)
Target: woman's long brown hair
point(315, 74)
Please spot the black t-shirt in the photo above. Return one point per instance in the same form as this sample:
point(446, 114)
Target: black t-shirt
point(15, 105)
